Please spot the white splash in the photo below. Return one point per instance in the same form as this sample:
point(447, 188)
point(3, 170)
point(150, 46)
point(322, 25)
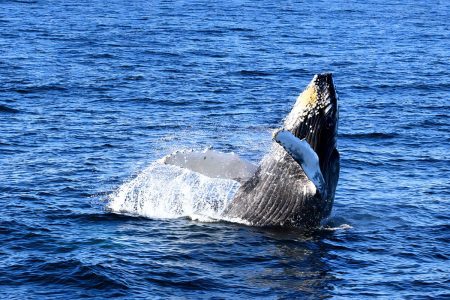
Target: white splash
point(166, 190)
point(340, 227)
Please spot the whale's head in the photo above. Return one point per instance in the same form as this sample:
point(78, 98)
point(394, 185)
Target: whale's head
point(314, 118)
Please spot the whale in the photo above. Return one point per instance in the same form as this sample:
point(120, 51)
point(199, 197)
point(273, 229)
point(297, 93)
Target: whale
point(295, 183)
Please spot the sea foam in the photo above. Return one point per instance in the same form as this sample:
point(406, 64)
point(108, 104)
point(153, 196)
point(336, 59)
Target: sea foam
point(169, 191)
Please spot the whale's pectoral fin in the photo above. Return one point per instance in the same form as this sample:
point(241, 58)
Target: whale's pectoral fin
point(304, 155)
point(212, 163)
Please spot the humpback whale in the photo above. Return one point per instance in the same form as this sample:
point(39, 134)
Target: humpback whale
point(295, 183)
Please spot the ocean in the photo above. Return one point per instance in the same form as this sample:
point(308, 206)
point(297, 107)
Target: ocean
point(93, 92)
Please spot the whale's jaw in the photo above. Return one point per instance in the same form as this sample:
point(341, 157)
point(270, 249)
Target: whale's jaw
point(280, 193)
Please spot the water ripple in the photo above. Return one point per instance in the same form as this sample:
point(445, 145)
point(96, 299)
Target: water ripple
point(92, 94)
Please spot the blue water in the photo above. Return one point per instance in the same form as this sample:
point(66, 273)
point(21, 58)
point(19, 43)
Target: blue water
point(91, 92)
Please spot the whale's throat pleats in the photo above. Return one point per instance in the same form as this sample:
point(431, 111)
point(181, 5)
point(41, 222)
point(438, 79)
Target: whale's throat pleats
point(270, 197)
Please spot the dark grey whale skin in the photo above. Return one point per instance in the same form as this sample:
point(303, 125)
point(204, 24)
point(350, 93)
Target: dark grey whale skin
point(279, 193)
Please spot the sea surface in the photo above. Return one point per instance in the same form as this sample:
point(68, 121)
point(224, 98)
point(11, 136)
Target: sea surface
point(93, 92)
